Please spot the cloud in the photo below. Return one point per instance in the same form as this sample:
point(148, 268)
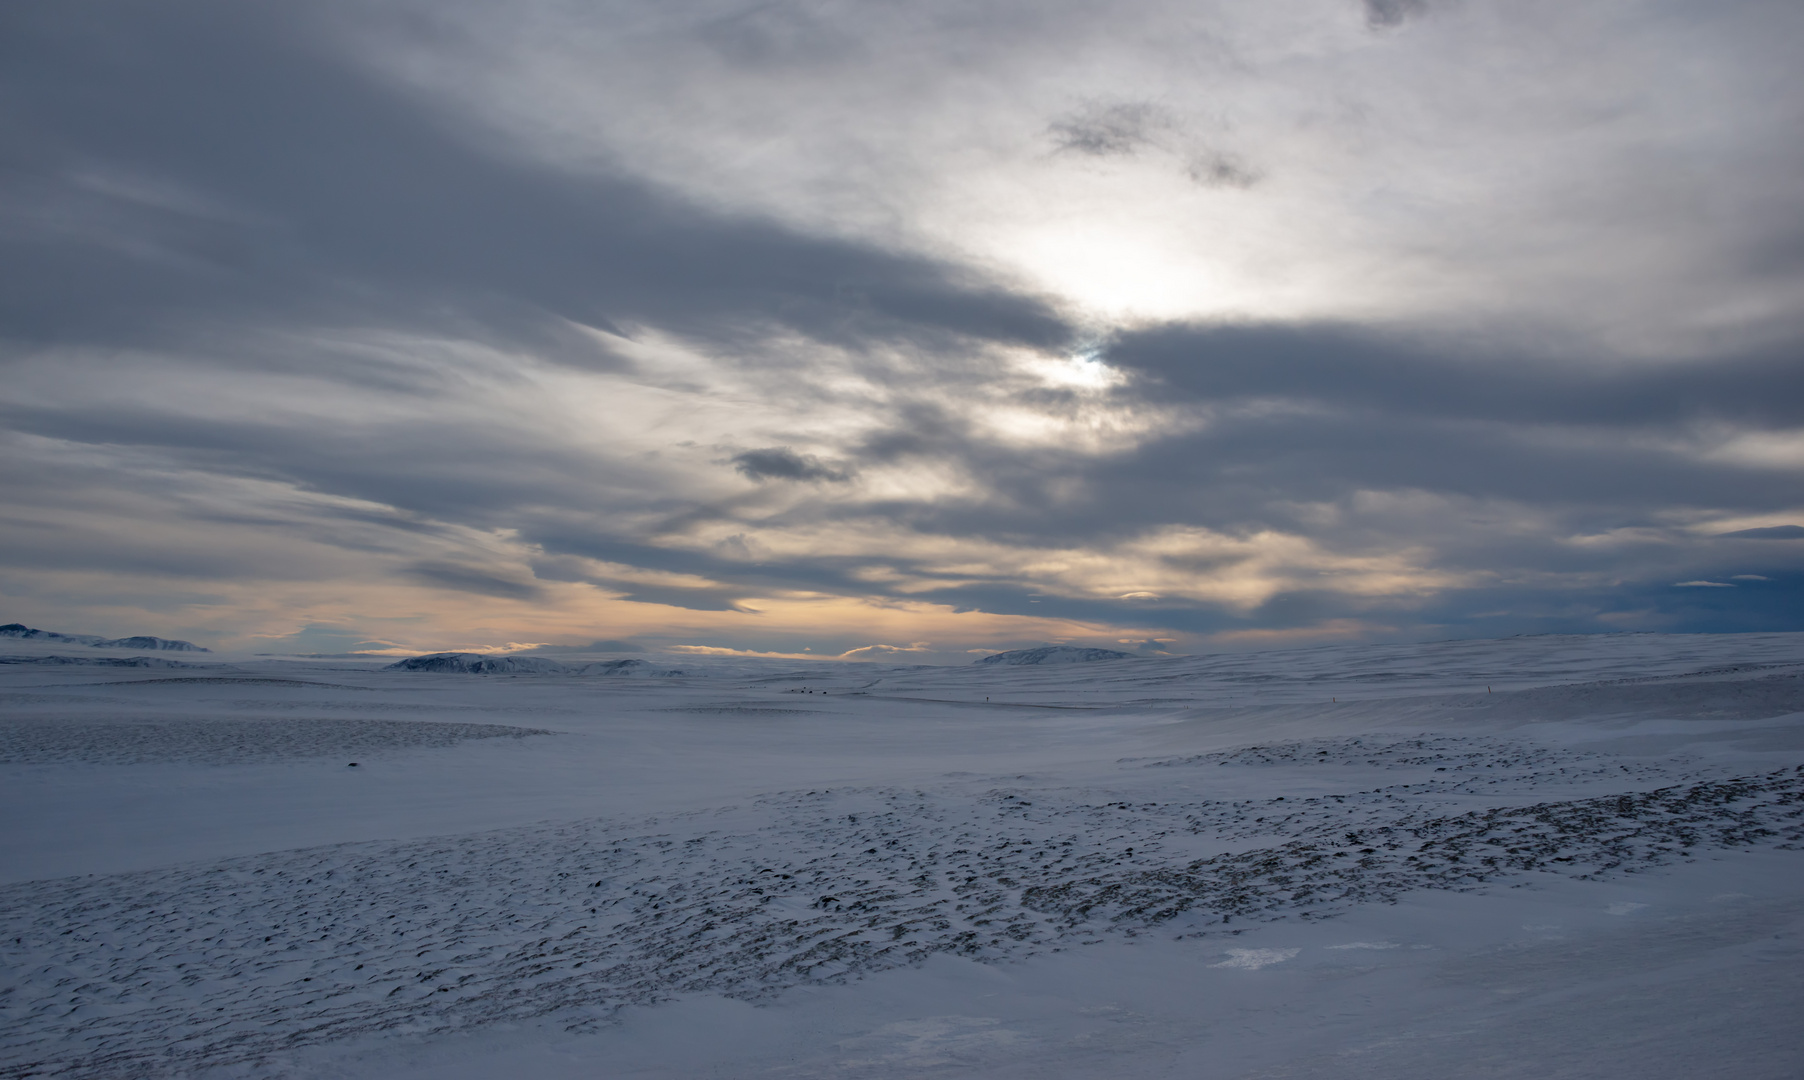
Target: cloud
point(614, 645)
point(782, 463)
point(434, 323)
point(1109, 130)
point(871, 652)
point(1386, 14)
point(721, 650)
point(474, 580)
point(1124, 129)
point(1222, 170)
point(418, 218)
point(1330, 630)
point(1395, 186)
point(722, 599)
point(1702, 585)
point(496, 650)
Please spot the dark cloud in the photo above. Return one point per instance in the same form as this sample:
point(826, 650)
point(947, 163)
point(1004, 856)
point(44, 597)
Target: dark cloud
point(599, 645)
point(1347, 367)
point(782, 463)
point(1125, 128)
point(777, 35)
point(474, 579)
point(207, 161)
point(723, 599)
point(1223, 171)
point(1109, 130)
point(558, 564)
point(1383, 14)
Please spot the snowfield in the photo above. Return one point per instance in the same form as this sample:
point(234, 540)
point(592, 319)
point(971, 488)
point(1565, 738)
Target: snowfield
point(1550, 856)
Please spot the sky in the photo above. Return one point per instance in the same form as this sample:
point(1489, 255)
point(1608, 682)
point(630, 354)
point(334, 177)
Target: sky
point(906, 332)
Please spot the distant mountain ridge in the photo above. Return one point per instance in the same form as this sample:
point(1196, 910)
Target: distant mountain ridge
point(94, 641)
point(1054, 654)
point(479, 664)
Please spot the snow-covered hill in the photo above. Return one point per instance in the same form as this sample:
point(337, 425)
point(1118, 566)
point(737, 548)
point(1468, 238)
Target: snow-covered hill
point(1521, 858)
point(21, 632)
point(484, 664)
point(481, 664)
point(97, 661)
point(1054, 654)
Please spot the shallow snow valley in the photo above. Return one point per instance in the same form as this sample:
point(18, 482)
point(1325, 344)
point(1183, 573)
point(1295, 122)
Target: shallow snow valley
point(1532, 857)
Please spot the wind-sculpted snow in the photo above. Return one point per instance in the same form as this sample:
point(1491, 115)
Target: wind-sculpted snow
point(1586, 838)
point(996, 814)
point(225, 740)
point(157, 972)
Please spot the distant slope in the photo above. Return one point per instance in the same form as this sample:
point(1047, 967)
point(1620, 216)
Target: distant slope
point(94, 641)
point(100, 661)
point(144, 641)
point(627, 669)
point(1055, 654)
point(479, 664)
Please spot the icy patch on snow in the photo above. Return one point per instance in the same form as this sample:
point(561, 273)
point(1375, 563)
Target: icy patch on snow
point(1624, 907)
point(1367, 945)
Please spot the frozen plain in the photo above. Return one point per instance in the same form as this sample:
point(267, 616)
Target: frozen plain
point(1545, 856)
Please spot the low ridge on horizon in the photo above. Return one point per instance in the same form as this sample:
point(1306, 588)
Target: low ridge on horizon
point(1054, 654)
point(21, 632)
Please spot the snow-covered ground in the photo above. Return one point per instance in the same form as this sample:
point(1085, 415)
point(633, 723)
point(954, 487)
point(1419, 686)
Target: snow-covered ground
point(1548, 856)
